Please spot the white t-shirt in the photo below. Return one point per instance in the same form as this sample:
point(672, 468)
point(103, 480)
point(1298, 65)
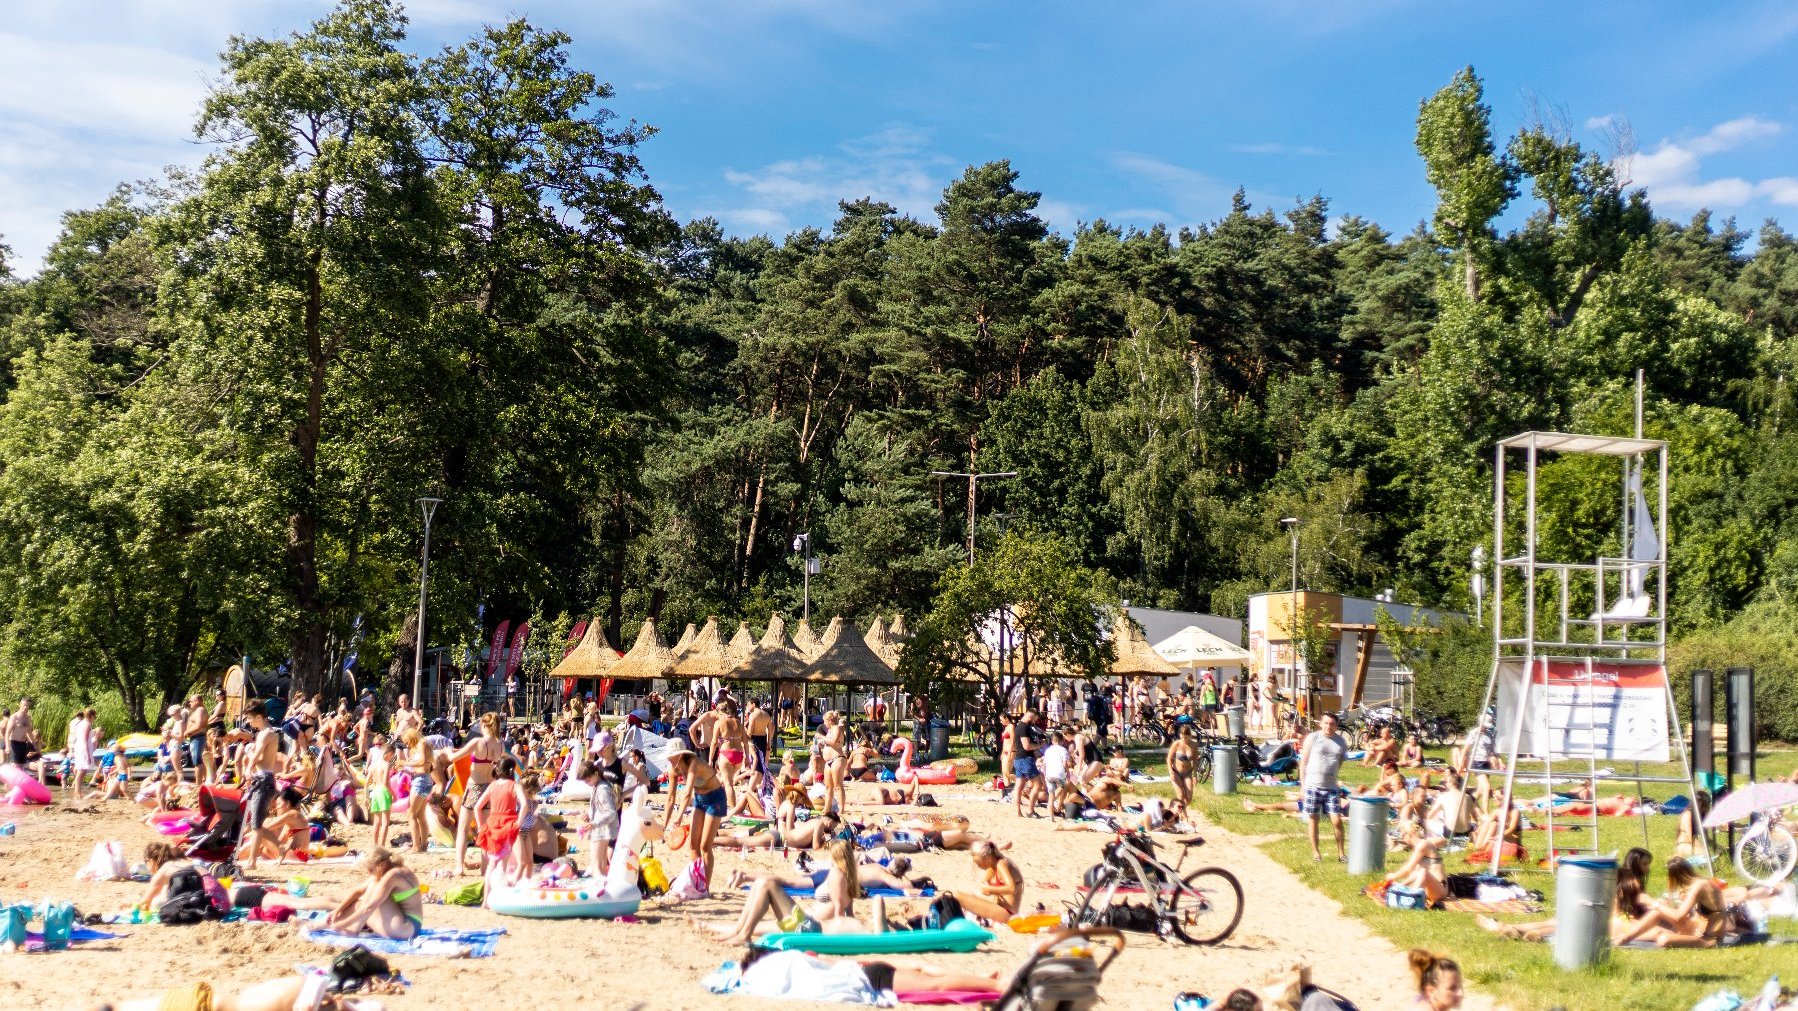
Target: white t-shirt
point(1323, 760)
point(1054, 762)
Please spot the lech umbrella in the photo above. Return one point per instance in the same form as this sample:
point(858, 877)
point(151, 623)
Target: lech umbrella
point(1751, 799)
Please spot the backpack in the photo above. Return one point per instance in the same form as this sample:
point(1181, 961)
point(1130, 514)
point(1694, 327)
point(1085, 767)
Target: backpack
point(191, 897)
point(1133, 916)
point(358, 963)
point(944, 909)
point(1063, 982)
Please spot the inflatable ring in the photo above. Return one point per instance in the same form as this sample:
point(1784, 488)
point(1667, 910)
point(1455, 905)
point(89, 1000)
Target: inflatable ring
point(582, 900)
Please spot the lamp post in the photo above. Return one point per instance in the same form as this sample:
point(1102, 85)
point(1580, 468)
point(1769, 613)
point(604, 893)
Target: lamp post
point(429, 507)
point(803, 543)
point(1291, 523)
point(973, 482)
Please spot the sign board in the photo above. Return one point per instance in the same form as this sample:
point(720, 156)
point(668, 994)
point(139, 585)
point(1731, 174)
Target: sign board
point(1601, 709)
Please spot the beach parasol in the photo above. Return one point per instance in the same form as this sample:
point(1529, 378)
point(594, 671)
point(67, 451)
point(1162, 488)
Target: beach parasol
point(592, 657)
point(685, 642)
point(647, 658)
point(706, 656)
point(1192, 646)
point(845, 659)
point(1751, 799)
point(805, 640)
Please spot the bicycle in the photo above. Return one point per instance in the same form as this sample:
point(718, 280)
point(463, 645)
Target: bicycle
point(1200, 907)
point(1767, 851)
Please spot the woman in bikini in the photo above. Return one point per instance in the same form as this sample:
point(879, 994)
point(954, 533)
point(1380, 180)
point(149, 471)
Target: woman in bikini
point(1001, 885)
point(482, 753)
point(706, 793)
point(814, 833)
point(386, 904)
point(832, 911)
point(1181, 757)
point(730, 748)
point(832, 748)
point(861, 758)
point(1423, 871)
point(1699, 918)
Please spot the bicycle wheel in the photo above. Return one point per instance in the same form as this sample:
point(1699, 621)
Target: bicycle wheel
point(1766, 854)
point(1201, 766)
point(1205, 907)
point(1090, 913)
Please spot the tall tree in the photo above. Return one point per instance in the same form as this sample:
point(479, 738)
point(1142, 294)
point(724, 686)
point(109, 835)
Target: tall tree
point(1473, 183)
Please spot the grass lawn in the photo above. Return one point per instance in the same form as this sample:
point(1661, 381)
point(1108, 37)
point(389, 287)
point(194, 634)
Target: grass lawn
point(1520, 973)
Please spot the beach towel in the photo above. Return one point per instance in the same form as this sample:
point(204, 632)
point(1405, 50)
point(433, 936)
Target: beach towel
point(34, 941)
point(947, 996)
point(1476, 906)
point(472, 943)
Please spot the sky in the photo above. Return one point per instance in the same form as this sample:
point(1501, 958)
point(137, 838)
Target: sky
point(770, 111)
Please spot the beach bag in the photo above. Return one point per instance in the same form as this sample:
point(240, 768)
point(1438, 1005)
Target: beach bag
point(691, 883)
point(13, 920)
point(1133, 916)
point(1400, 897)
point(944, 909)
point(358, 963)
point(652, 879)
point(464, 895)
point(59, 924)
point(106, 863)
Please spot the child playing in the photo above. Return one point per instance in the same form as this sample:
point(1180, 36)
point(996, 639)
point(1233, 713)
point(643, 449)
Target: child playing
point(115, 773)
point(380, 798)
point(1054, 764)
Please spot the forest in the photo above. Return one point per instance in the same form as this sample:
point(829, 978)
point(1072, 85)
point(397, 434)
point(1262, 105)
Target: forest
point(398, 275)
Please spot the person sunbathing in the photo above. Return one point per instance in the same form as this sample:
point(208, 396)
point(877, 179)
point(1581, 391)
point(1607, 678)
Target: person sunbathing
point(1489, 830)
point(815, 833)
point(894, 972)
point(832, 911)
point(387, 904)
point(1699, 918)
point(868, 874)
point(1451, 811)
point(1423, 870)
point(1382, 749)
point(163, 859)
point(916, 836)
point(1691, 822)
point(1289, 806)
point(1630, 904)
point(895, 795)
point(1001, 890)
point(306, 992)
point(1392, 782)
point(1411, 755)
point(286, 828)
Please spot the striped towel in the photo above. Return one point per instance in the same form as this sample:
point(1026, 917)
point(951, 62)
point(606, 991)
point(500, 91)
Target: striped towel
point(469, 943)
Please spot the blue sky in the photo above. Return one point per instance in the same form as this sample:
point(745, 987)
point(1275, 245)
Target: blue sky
point(771, 111)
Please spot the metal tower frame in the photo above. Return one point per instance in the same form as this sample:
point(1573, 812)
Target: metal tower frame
point(1560, 635)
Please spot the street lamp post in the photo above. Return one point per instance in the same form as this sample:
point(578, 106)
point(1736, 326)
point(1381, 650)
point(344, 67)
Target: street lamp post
point(803, 543)
point(973, 482)
point(429, 507)
point(1301, 670)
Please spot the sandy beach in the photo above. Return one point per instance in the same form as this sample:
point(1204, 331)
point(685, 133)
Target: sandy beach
point(658, 963)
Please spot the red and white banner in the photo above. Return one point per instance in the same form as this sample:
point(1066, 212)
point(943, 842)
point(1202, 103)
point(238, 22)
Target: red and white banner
point(516, 656)
point(574, 637)
point(496, 653)
point(1607, 710)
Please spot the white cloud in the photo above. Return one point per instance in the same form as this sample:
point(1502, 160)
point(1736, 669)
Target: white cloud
point(1600, 122)
point(1673, 173)
point(1303, 150)
point(894, 164)
point(1194, 195)
point(1062, 215)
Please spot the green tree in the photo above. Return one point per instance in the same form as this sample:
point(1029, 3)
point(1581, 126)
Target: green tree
point(1473, 182)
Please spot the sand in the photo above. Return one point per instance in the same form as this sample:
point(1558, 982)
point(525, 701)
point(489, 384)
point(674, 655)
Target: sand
point(657, 964)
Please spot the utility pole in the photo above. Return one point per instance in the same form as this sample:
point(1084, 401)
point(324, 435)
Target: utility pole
point(803, 543)
point(1291, 523)
point(429, 507)
point(973, 483)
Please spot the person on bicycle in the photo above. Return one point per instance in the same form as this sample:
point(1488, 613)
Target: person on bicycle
point(1320, 764)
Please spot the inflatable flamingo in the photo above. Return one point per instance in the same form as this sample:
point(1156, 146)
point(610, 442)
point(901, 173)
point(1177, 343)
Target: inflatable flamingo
point(902, 746)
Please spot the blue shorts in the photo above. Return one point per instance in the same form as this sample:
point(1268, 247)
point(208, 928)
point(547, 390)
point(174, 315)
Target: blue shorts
point(711, 802)
point(422, 786)
point(1024, 767)
point(1321, 802)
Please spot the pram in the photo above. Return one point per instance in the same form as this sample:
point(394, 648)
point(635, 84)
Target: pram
point(213, 837)
point(1063, 972)
point(1272, 758)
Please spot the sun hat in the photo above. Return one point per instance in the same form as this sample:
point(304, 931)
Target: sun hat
point(677, 751)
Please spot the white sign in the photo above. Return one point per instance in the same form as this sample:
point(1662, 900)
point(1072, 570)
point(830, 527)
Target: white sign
point(1600, 709)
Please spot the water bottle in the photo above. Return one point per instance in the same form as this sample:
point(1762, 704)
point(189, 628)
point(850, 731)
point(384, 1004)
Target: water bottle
point(1769, 995)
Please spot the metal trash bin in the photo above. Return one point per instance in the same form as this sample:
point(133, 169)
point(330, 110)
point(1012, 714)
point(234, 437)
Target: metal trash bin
point(1585, 889)
point(1367, 834)
point(1223, 768)
point(1233, 719)
point(939, 740)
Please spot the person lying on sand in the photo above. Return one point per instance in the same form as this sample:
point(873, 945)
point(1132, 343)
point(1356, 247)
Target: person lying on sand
point(900, 974)
point(868, 875)
point(293, 993)
point(913, 839)
point(813, 834)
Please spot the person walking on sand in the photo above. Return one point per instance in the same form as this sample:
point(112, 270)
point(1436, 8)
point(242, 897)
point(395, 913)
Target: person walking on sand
point(257, 765)
point(21, 735)
point(1320, 763)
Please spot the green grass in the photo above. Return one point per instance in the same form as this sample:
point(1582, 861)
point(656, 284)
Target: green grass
point(1519, 973)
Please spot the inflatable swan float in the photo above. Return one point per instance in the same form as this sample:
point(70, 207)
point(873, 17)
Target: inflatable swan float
point(588, 897)
point(902, 746)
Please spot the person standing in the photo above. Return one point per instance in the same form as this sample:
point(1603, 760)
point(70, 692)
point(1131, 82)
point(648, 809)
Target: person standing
point(1026, 742)
point(21, 735)
point(79, 745)
point(1098, 710)
point(259, 762)
point(1320, 763)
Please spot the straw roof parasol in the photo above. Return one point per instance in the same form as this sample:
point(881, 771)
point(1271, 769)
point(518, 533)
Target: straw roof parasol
point(845, 659)
point(705, 656)
point(877, 640)
point(897, 631)
point(742, 645)
point(686, 640)
point(592, 657)
point(648, 657)
point(772, 659)
point(1134, 654)
point(806, 641)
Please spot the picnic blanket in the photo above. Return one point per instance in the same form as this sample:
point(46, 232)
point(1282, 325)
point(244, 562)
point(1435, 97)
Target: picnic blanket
point(34, 940)
point(469, 943)
point(1476, 906)
point(869, 891)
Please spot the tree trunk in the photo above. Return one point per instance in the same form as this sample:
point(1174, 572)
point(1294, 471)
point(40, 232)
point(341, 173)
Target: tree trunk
point(1472, 276)
point(302, 526)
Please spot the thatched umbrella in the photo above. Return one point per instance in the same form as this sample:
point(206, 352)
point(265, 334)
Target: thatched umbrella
point(742, 645)
point(686, 640)
point(877, 640)
point(648, 656)
point(805, 640)
point(705, 657)
point(1134, 654)
point(897, 631)
point(592, 657)
point(845, 659)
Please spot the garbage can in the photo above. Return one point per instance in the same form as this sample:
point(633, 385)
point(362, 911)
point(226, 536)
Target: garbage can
point(1223, 768)
point(1585, 887)
point(1233, 720)
point(939, 740)
point(1367, 834)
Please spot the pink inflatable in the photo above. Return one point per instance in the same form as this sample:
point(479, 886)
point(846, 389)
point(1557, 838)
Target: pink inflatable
point(24, 789)
point(902, 747)
point(178, 814)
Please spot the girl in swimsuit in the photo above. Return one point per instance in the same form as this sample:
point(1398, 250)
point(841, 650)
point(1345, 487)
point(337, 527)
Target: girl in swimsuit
point(1001, 885)
point(482, 752)
point(386, 904)
point(859, 757)
point(707, 796)
point(418, 765)
point(499, 813)
point(1180, 759)
point(832, 911)
point(836, 762)
point(380, 797)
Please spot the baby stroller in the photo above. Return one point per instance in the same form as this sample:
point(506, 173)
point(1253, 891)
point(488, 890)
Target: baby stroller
point(1063, 972)
point(1272, 758)
point(213, 837)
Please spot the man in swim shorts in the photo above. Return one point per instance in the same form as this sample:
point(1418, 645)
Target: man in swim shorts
point(259, 762)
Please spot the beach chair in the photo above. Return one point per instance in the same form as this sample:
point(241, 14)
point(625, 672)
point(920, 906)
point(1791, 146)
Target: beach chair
point(1063, 973)
point(213, 838)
